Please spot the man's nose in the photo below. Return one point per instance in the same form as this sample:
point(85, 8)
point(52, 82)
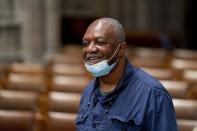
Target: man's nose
point(91, 47)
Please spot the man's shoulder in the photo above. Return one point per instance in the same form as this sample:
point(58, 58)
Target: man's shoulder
point(146, 80)
point(143, 84)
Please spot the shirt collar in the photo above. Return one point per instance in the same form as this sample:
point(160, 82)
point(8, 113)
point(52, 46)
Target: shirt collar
point(128, 72)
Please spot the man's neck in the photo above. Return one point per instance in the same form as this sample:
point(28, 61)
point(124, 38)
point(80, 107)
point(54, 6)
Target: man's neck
point(110, 81)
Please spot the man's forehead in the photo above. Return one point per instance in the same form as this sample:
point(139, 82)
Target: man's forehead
point(99, 28)
point(98, 25)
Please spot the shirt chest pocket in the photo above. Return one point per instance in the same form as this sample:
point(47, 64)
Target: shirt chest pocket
point(81, 119)
point(123, 124)
point(82, 116)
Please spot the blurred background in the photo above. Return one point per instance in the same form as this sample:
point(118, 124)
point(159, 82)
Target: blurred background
point(32, 29)
point(42, 73)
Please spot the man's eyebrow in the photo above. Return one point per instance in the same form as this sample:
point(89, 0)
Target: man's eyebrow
point(100, 38)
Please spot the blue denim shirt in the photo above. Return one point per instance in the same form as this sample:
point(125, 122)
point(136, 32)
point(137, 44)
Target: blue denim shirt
point(139, 103)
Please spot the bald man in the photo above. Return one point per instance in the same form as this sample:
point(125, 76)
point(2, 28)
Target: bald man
point(121, 97)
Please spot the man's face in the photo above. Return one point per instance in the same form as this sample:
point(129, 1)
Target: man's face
point(98, 42)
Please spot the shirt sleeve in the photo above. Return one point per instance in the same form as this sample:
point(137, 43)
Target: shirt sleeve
point(161, 114)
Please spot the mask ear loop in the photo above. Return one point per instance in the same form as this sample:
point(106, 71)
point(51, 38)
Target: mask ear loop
point(114, 54)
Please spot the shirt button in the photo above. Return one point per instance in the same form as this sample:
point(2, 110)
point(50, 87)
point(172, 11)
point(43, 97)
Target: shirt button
point(107, 110)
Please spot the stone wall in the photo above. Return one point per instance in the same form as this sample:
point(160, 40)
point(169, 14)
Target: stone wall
point(30, 29)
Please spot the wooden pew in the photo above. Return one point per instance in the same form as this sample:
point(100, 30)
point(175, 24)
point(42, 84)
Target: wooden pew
point(18, 100)
point(68, 83)
point(185, 54)
point(17, 120)
point(177, 89)
point(67, 69)
point(149, 57)
point(185, 109)
point(160, 73)
point(59, 121)
point(186, 125)
point(26, 82)
point(27, 68)
point(63, 102)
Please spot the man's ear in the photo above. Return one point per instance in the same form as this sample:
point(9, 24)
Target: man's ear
point(123, 48)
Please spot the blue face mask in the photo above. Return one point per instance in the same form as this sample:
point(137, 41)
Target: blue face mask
point(101, 68)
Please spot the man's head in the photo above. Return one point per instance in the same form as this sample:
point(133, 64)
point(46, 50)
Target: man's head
point(103, 45)
point(101, 40)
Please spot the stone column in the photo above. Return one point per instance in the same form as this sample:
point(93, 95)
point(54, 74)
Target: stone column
point(32, 31)
point(52, 25)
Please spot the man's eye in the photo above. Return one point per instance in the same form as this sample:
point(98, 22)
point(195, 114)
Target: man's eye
point(85, 43)
point(101, 42)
